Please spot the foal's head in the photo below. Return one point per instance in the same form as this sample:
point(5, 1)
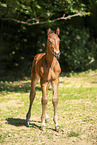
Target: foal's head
point(53, 42)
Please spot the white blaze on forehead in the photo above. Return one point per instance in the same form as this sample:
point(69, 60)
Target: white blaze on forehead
point(54, 43)
point(57, 45)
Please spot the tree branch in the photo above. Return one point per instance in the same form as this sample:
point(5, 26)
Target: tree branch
point(37, 22)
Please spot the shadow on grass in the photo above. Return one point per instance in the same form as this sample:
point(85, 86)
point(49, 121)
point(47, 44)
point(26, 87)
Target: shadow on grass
point(22, 122)
point(16, 121)
point(24, 87)
point(16, 87)
point(94, 82)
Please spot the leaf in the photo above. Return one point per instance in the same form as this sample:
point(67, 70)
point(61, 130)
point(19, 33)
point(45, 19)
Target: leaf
point(89, 13)
point(39, 7)
point(3, 5)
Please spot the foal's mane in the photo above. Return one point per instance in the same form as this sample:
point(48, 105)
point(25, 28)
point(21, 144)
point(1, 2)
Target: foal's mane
point(51, 32)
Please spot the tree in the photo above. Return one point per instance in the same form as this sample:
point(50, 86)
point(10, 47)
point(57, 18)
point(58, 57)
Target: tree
point(23, 30)
point(33, 12)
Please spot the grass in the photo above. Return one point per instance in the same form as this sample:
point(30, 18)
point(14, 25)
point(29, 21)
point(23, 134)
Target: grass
point(77, 111)
point(73, 134)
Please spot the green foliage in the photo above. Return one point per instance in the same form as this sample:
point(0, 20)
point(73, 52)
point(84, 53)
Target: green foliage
point(21, 42)
point(40, 10)
point(17, 56)
point(74, 48)
point(92, 45)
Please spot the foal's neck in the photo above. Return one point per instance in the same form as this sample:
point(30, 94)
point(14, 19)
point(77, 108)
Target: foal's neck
point(49, 57)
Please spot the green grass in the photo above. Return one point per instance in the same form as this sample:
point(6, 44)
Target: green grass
point(73, 134)
point(77, 111)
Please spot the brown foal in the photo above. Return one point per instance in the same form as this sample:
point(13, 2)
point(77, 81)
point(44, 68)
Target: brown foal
point(47, 68)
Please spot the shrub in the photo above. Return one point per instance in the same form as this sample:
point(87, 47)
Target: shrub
point(75, 54)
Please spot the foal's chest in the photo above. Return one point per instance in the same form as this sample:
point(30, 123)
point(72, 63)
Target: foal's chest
point(50, 73)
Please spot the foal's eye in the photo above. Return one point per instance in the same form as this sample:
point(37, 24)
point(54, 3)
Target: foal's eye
point(49, 41)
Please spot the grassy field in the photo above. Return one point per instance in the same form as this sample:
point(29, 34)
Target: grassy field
point(77, 111)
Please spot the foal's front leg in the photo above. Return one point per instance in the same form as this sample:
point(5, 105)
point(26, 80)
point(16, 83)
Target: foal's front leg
point(32, 96)
point(44, 103)
point(55, 102)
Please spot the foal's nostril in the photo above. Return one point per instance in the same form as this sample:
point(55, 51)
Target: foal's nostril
point(57, 54)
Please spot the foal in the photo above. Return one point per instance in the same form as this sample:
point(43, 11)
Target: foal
point(47, 68)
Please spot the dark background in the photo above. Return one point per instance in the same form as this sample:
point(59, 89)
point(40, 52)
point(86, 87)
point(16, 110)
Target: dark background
point(19, 42)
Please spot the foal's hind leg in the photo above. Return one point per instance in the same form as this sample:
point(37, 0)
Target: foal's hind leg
point(32, 96)
point(55, 102)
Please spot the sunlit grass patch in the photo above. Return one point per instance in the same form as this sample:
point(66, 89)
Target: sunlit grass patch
point(77, 112)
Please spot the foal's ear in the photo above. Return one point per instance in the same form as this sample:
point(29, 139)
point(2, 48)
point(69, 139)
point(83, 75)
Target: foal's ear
point(58, 31)
point(48, 31)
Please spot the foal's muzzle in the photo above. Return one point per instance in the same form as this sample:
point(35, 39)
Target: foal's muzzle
point(57, 54)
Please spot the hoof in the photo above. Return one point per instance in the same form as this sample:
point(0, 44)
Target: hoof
point(47, 120)
point(27, 123)
point(57, 128)
point(43, 127)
